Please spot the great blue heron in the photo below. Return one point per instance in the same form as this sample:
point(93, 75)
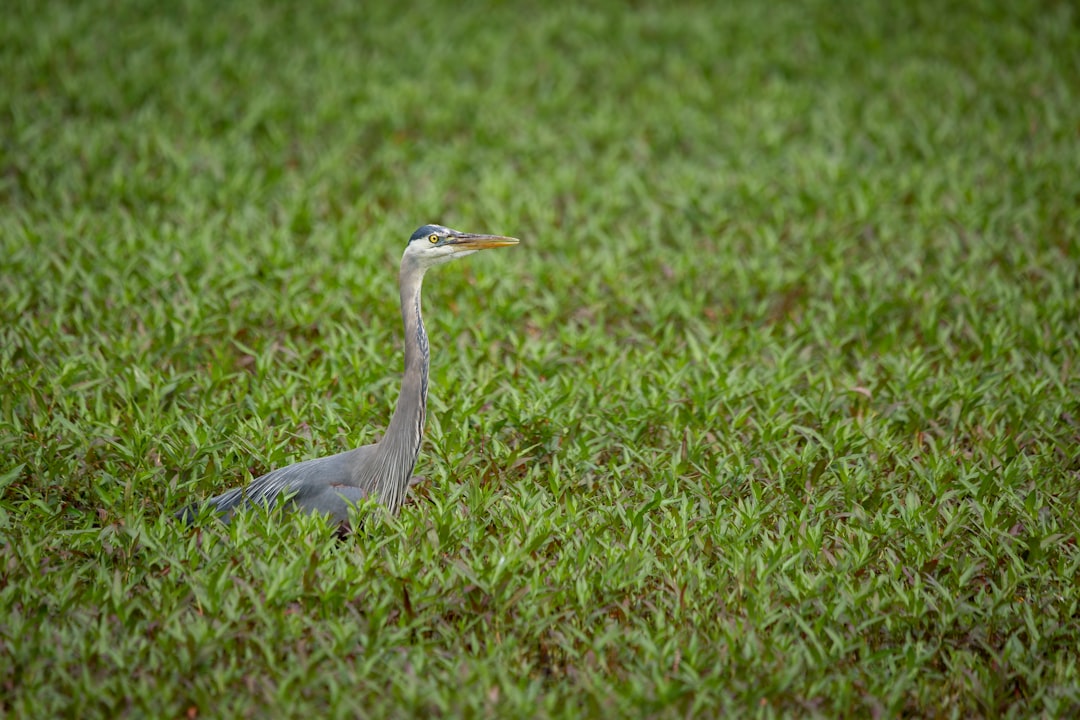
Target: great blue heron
point(331, 485)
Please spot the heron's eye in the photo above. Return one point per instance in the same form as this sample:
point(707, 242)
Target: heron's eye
point(433, 238)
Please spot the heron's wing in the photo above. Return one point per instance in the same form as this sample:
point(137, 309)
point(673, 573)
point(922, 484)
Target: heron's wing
point(300, 481)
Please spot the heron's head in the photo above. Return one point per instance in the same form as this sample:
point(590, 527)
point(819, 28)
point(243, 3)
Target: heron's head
point(435, 244)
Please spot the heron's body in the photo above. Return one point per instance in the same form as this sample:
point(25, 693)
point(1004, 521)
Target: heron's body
point(333, 484)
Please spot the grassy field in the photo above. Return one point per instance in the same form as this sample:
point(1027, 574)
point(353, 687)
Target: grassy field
point(775, 411)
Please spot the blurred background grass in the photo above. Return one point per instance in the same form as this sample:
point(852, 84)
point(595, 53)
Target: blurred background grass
point(774, 409)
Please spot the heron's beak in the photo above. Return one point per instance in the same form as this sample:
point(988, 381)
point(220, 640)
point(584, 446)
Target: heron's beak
point(468, 241)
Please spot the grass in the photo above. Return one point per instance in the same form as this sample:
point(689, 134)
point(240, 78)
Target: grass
point(776, 411)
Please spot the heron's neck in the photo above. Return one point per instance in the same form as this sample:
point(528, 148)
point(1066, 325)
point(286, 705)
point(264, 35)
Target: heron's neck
point(414, 385)
point(400, 445)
